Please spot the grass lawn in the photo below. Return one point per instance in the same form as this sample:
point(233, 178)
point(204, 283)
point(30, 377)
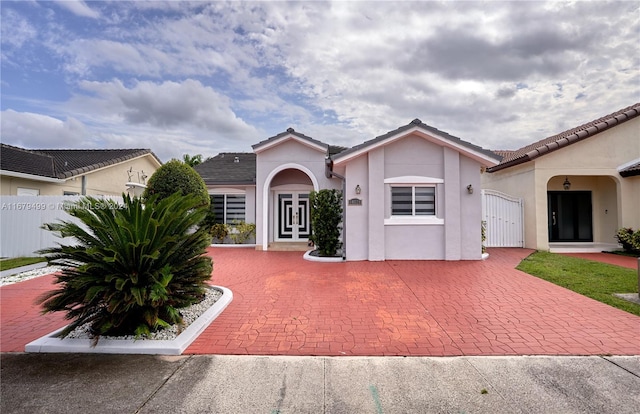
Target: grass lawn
point(596, 280)
point(12, 263)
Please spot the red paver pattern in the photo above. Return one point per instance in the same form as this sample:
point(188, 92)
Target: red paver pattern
point(20, 318)
point(284, 305)
point(614, 259)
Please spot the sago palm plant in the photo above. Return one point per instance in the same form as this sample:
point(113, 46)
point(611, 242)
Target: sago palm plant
point(132, 267)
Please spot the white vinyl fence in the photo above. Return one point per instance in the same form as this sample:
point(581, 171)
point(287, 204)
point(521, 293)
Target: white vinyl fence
point(504, 217)
point(21, 219)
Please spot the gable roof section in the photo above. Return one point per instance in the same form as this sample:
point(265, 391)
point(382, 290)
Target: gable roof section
point(563, 139)
point(63, 164)
point(289, 134)
point(631, 170)
point(423, 130)
point(23, 161)
point(223, 169)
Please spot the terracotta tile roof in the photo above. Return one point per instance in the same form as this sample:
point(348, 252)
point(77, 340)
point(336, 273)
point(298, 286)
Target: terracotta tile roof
point(631, 170)
point(229, 168)
point(555, 142)
point(65, 163)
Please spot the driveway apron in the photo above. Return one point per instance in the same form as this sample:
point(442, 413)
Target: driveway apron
point(284, 305)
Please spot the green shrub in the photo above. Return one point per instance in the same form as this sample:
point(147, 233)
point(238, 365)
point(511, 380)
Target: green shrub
point(219, 231)
point(132, 266)
point(629, 239)
point(176, 176)
point(483, 235)
point(326, 217)
point(242, 231)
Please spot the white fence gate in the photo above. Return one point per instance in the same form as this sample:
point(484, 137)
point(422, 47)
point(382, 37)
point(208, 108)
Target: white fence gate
point(504, 218)
point(21, 219)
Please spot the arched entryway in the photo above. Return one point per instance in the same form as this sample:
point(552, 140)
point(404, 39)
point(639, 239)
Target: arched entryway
point(286, 208)
point(582, 211)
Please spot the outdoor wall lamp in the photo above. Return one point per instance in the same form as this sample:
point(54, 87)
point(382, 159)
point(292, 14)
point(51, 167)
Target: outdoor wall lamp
point(358, 189)
point(470, 189)
point(567, 183)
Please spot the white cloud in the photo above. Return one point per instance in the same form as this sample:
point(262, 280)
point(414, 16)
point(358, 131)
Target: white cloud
point(221, 76)
point(79, 8)
point(40, 131)
point(164, 105)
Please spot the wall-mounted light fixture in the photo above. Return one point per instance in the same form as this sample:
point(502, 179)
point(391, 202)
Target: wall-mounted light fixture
point(470, 189)
point(566, 184)
point(358, 189)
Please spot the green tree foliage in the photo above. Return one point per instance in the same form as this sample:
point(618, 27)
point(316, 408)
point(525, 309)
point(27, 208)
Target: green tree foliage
point(176, 176)
point(192, 160)
point(326, 218)
point(132, 267)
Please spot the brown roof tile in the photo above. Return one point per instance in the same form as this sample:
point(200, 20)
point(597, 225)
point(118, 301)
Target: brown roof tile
point(631, 170)
point(555, 142)
point(64, 163)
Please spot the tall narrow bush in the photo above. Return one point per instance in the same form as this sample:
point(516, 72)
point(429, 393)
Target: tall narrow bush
point(326, 219)
point(132, 266)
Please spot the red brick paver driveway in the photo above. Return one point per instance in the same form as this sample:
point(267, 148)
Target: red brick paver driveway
point(614, 259)
point(284, 305)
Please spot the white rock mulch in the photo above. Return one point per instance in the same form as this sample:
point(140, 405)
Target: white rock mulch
point(189, 315)
point(32, 274)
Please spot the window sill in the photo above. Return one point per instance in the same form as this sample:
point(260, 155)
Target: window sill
point(414, 221)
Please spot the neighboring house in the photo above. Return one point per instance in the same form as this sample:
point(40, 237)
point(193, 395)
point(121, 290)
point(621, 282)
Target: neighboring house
point(74, 172)
point(231, 180)
point(409, 194)
point(579, 187)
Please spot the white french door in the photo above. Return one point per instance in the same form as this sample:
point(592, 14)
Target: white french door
point(292, 216)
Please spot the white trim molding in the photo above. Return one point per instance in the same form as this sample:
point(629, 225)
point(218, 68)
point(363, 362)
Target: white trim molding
point(413, 179)
point(266, 189)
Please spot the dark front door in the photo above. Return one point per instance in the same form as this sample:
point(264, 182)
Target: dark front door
point(570, 216)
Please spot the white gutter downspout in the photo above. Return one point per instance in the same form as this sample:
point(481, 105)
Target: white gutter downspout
point(329, 173)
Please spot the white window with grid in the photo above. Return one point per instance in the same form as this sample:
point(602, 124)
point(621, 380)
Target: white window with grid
point(413, 201)
point(229, 208)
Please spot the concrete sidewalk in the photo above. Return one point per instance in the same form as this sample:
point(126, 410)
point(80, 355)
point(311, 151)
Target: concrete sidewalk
point(68, 383)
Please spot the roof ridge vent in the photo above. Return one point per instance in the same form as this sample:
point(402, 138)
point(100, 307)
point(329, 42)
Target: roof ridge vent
point(290, 130)
point(236, 159)
point(416, 121)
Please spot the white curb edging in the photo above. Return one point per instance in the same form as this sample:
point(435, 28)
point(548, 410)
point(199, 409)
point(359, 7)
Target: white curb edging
point(22, 269)
point(307, 256)
point(50, 343)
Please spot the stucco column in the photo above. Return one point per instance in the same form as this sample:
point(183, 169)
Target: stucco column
point(376, 205)
point(452, 216)
point(542, 218)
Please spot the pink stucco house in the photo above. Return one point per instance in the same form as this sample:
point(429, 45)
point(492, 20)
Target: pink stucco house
point(412, 193)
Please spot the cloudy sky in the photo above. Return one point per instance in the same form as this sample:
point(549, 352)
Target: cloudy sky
point(208, 77)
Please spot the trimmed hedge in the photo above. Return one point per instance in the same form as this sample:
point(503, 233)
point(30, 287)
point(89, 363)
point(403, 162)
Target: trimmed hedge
point(176, 176)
